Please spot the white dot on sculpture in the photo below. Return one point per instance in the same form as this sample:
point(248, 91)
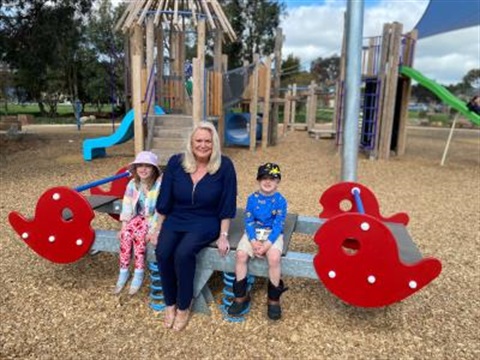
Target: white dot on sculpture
point(332, 274)
point(79, 242)
point(371, 279)
point(25, 235)
point(56, 196)
point(51, 238)
point(365, 226)
point(412, 284)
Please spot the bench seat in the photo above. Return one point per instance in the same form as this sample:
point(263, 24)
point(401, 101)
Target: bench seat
point(295, 264)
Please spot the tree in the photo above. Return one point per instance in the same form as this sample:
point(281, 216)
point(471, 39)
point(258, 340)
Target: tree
point(326, 70)
point(421, 94)
point(472, 79)
point(40, 43)
point(292, 72)
point(254, 22)
point(103, 57)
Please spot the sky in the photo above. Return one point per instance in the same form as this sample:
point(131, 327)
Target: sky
point(314, 28)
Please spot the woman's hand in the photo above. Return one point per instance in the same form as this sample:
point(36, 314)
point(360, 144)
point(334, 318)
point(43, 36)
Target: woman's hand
point(223, 245)
point(153, 238)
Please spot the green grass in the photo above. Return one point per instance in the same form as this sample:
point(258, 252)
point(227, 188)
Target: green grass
point(33, 109)
point(64, 111)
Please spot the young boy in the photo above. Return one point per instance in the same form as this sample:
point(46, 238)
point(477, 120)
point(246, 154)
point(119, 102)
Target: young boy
point(264, 221)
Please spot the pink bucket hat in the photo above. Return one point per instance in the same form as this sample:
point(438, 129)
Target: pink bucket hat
point(146, 157)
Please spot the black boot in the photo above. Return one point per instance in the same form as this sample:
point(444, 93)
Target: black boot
point(274, 293)
point(241, 302)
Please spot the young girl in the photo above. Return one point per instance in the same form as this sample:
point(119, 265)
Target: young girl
point(139, 218)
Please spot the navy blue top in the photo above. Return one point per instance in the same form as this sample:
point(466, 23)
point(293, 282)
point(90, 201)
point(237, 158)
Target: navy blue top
point(201, 207)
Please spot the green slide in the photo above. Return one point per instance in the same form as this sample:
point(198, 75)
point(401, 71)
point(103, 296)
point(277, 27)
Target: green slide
point(442, 93)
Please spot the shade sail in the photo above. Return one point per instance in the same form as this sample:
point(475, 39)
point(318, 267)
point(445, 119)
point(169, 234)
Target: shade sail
point(447, 15)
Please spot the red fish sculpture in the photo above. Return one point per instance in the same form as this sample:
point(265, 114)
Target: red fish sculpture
point(358, 258)
point(60, 230)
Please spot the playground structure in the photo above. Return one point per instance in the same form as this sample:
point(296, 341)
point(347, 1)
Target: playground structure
point(209, 93)
point(309, 97)
point(384, 99)
point(93, 148)
point(387, 72)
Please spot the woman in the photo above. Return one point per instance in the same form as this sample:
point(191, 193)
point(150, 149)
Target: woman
point(196, 202)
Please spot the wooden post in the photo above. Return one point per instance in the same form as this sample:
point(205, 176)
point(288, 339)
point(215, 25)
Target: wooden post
point(254, 102)
point(218, 79)
point(314, 105)
point(293, 106)
point(136, 43)
point(201, 35)
point(150, 44)
point(127, 88)
point(217, 50)
point(338, 114)
point(197, 96)
point(276, 86)
point(224, 62)
point(370, 59)
point(408, 53)
point(390, 91)
point(266, 103)
point(181, 73)
point(160, 65)
point(286, 110)
point(311, 106)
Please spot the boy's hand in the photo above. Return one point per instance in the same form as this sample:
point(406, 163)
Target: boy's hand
point(256, 246)
point(265, 246)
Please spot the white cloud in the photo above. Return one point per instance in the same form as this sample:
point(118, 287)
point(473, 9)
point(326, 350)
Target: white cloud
point(317, 31)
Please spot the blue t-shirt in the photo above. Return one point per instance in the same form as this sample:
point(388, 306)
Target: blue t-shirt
point(200, 207)
point(265, 212)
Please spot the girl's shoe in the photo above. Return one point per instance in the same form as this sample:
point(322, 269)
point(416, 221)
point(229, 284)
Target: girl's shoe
point(170, 314)
point(181, 320)
point(122, 280)
point(136, 282)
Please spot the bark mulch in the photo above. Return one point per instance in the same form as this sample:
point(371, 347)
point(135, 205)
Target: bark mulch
point(50, 311)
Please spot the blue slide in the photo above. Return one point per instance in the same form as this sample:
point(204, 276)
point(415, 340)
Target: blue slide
point(95, 148)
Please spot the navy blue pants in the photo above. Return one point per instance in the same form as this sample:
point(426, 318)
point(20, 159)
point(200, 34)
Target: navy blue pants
point(176, 256)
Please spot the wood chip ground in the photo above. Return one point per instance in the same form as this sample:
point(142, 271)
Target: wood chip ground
point(50, 311)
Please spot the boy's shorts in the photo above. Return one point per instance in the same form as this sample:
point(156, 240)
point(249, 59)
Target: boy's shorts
point(245, 244)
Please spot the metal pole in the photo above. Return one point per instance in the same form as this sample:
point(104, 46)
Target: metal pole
point(352, 89)
point(101, 181)
point(447, 145)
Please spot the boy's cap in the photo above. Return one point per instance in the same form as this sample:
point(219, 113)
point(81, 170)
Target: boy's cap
point(269, 169)
point(146, 157)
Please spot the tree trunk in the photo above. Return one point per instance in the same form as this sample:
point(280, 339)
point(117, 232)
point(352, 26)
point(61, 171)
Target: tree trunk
point(41, 106)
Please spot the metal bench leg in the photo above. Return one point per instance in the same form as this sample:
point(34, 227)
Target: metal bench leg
point(201, 292)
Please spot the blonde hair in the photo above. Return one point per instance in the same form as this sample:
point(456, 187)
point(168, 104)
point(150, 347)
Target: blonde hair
point(189, 162)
